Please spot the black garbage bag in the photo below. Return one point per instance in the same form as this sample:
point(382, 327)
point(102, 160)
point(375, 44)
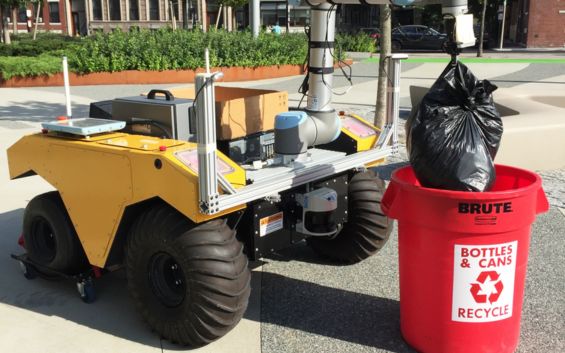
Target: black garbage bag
point(454, 134)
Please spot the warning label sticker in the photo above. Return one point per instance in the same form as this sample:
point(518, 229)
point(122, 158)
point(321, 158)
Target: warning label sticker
point(483, 282)
point(270, 224)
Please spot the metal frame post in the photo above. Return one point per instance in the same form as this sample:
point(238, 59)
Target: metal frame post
point(393, 95)
point(206, 139)
point(390, 129)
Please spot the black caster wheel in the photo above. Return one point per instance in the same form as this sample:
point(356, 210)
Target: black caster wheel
point(86, 291)
point(28, 270)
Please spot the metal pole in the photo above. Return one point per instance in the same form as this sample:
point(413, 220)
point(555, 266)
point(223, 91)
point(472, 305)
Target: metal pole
point(254, 17)
point(67, 87)
point(503, 20)
point(287, 17)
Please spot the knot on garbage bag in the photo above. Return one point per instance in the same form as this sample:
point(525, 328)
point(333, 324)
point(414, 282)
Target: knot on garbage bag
point(469, 103)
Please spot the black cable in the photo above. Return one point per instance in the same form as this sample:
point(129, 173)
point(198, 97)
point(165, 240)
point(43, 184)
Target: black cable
point(347, 77)
point(328, 15)
point(197, 94)
point(304, 87)
point(192, 109)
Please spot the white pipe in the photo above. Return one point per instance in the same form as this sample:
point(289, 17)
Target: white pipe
point(67, 87)
point(207, 60)
point(254, 16)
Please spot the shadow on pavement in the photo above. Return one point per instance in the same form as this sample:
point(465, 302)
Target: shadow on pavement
point(300, 253)
point(309, 307)
point(331, 312)
point(37, 111)
point(113, 312)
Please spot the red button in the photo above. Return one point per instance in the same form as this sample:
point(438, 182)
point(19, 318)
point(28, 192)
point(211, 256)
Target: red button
point(162, 148)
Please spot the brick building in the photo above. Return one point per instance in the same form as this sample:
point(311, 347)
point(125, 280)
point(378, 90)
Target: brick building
point(534, 23)
point(54, 16)
point(546, 23)
point(81, 17)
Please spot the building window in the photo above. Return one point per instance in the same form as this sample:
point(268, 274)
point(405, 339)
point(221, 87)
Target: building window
point(134, 10)
point(273, 13)
point(22, 15)
point(154, 10)
point(54, 16)
point(97, 10)
point(115, 14)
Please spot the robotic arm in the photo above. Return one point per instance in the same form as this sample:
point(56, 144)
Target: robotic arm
point(322, 35)
point(319, 123)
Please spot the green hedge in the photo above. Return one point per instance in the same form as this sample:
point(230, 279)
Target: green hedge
point(46, 43)
point(172, 50)
point(29, 66)
point(359, 42)
point(163, 49)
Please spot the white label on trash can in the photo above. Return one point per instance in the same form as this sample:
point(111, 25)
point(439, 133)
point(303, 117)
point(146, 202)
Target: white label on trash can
point(483, 282)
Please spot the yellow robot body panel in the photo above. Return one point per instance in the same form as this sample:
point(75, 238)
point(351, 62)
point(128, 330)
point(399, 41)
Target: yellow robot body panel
point(362, 133)
point(99, 177)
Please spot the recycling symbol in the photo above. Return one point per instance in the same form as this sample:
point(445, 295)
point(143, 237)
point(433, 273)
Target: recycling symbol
point(486, 280)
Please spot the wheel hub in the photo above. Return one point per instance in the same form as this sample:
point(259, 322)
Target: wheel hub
point(44, 240)
point(166, 280)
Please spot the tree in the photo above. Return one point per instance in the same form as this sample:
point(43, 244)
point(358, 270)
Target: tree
point(6, 6)
point(385, 43)
point(482, 33)
point(228, 13)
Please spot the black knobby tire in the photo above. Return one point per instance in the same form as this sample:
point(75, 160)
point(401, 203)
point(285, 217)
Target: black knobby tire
point(190, 283)
point(50, 237)
point(367, 229)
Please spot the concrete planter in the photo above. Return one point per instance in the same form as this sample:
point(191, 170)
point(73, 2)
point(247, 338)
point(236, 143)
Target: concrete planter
point(154, 77)
point(133, 77)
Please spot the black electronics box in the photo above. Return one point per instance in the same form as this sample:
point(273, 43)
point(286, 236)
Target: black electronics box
point(157, 114)
point(254, 147)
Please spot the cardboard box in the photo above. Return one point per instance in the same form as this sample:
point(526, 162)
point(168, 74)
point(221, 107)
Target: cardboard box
point(242, 111)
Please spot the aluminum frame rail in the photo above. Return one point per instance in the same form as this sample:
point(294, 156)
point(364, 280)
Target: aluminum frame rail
point(211, 202)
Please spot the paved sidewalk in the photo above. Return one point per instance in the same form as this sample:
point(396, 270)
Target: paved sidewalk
point(299, 303)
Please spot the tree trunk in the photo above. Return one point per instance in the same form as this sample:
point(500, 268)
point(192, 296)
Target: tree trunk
point(38, 4)
point(198, 15)
point(5, 28)
point(203, 15)
point(229, 17)
point(173, 19)
point(482, 33)
point(234, 20)
point(14, 20)
point(219, 15)
point(385, 41)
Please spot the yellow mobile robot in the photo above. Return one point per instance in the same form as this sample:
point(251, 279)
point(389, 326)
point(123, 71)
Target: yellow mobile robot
point(152, 188)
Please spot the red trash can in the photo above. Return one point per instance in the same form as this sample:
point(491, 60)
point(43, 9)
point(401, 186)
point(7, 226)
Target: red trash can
point(462, 260)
